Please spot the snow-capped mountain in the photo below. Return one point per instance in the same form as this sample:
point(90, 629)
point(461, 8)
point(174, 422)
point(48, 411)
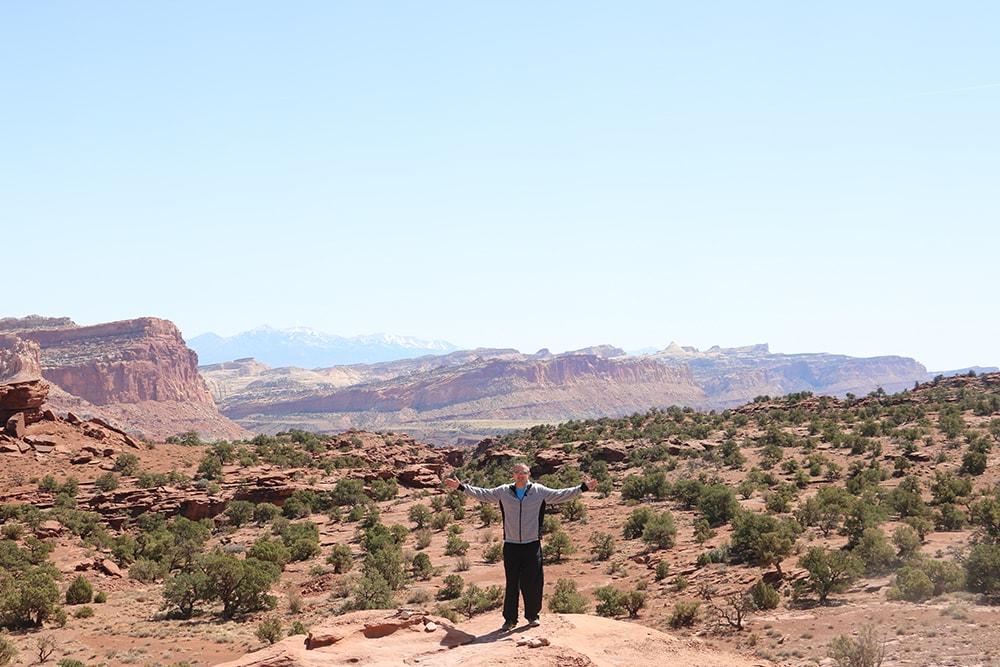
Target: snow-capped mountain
point(308, 348)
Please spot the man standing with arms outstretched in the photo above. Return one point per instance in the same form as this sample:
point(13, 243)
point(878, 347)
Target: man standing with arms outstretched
point(522, 505)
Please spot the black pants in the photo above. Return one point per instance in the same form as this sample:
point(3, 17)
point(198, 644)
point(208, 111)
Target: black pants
point(522, 565)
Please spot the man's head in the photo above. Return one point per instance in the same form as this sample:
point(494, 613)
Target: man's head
point(521, 473)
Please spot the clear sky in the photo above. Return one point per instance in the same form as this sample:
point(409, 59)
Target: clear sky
point(822, 177)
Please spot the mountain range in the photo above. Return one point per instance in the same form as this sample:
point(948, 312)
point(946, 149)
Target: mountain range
point(308, 348)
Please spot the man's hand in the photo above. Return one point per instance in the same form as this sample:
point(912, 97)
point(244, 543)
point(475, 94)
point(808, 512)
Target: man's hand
point(590, 482)
point(451, 483)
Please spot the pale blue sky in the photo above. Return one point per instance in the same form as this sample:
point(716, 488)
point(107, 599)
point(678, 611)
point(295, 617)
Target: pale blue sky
point(822, 177)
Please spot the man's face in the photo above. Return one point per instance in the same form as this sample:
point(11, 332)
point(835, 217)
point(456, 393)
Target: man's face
point(521, 475)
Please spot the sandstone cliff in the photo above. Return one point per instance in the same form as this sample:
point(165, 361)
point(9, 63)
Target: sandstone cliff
point(138, 372)
point(465, 396)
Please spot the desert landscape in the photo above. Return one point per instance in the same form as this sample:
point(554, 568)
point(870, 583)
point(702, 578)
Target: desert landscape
point(901, 485)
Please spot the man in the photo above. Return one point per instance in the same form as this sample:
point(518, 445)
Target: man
point(522, 505)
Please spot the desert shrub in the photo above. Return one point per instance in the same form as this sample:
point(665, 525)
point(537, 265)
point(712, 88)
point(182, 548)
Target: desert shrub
point(493, 553)
point(269, 630)
point(239, 512)
point(609, 601)
point(100, 597)
point(633, 602)
point(874, 551)
point(84, 612)
point(475, 600)
point(452, 588)
point(12, 531)
point(764, 596)
point(70, 662)
point(761, 539)
point(445, 611)
point(947, 576)
point(28, 597)
point(717, 504)
point(907, 542)
point(636, 522)
point(8, 652)
point(603, 546)
point(557, 546)
point(420, 515)
point(867, 650)
point(685, 613)
point(456, 546)
point(421, 567)
point(270, 550)
point(107, 482)
point(489, 514)
point(370, 591)
point(265, 513)
point(340, 558)
point(830, 571)
point(703, 531)
point(573, 510)
point(912, 584)
point(424, 537)
point(660, 530)
point(662, 570)
point(566, 599)
point(982, 569)
point(80, 591)
point(349, 492)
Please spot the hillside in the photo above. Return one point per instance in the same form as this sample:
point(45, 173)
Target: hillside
point(899, 487)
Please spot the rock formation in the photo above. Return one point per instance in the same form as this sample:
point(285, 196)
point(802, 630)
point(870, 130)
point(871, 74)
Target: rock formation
point(382, 638)
point(22, 389)
point(138, 372)
point(466, 396)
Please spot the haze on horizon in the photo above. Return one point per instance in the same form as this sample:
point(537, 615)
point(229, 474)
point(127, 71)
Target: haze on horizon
point(818, 178)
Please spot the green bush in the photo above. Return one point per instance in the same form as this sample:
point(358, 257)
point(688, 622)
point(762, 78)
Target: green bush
point(107, 482)
point(982, 569)
point(269, 630)
point(609, 601)
point(912, 584)
point(493, 553)
point(685, 613)
point(633, 602)
point(659, 531)
point(452, 588)
point(8, 652)
point(764, 596)
point(604, 546)
point(421, 567)
point(567, 600)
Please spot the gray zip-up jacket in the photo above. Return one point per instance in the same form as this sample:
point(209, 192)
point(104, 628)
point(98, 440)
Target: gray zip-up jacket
point(522, 519)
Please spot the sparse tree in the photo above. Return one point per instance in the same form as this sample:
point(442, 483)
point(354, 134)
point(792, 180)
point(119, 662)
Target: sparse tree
point(830, 571)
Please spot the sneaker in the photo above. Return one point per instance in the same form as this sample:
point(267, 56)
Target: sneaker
point(534, 622)
point(508, 626)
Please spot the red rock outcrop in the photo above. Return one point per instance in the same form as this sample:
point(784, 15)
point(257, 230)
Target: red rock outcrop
point(22, 389)
point(382, 638)
point(138, 372)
